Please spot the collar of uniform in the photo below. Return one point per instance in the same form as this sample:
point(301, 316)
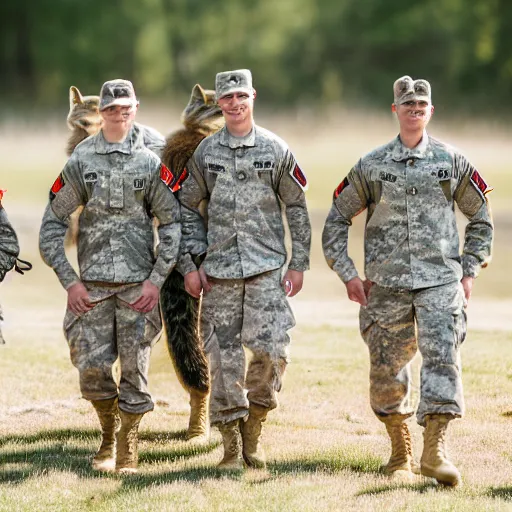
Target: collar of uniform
point(104, 147)
point(401, 152)
point(226, 139)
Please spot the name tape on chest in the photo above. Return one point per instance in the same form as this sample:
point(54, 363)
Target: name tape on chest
point(57, 186)
point(342, 186)
point(480, 184)
point(173, 182)
point(215, 168)
point(387, 176)
point(91, 177)
point(299, 177)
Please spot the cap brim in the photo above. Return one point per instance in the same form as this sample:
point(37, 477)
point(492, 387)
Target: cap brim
point(235, 89)
point(123, 102)
point(414, 98)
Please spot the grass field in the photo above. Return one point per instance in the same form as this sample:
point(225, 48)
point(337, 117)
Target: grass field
point(324, 445)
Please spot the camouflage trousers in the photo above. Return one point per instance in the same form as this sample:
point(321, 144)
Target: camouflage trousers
point(252, 313)
point(112, 330)
point(394, 325)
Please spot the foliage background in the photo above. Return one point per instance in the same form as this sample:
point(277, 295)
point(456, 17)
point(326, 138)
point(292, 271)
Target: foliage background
point(300, 51)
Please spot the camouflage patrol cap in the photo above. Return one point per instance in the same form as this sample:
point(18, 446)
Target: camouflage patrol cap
point(229, 82)
point(407, 89)
point(117, 92)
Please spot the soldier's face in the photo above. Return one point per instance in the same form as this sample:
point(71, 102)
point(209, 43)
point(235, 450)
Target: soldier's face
point(413, 115)
point(237, 107)
point(118, 117)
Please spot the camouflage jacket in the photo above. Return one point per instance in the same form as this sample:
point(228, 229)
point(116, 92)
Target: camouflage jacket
point(145, 136)
point(121, 187)
point(411, 237)
point(246, 182)
point(9, 248)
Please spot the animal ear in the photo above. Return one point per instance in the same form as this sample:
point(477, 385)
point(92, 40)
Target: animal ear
point(74, 97)
point(198, 94)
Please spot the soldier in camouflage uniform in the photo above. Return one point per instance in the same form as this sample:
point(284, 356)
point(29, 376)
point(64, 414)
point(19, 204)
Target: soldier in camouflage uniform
point(113, 306)
point(9, 250)
point(417, 282)
point(244, 176)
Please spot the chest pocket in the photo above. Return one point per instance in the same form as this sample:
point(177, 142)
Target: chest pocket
point(442, 176)
point(264, 168)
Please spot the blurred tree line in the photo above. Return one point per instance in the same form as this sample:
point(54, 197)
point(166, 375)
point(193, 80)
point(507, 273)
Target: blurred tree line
point(301, 52)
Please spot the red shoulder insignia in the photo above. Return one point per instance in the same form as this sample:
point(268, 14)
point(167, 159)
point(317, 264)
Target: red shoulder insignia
point(57, 185)
point(299, 177)
point(480, 183)
point(173, 182)
point(166, 175)
point(339, 189)
point(182, 177)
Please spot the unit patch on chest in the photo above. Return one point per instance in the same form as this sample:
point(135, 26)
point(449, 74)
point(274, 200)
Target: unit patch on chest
point(139, 183)
point(264, 165)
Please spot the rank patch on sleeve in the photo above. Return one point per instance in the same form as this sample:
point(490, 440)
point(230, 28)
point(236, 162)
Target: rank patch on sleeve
point(480, 183)
point(299, 177)
point(339, 189)
point(57, 185)
point(181, 178)
point(174, 183)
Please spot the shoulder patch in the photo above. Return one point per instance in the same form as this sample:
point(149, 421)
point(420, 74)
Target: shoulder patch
point(480, 183)
point(57, 185)
point(299, 177)
point(173, 182)
point(339, 189)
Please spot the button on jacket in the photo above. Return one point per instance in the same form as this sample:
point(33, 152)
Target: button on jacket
point(411, 238)
point(245, 182)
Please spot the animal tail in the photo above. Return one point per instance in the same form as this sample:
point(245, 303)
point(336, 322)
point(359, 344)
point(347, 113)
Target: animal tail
point(180, 313)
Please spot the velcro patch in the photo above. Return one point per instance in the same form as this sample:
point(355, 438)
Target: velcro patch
point(299, 177)
point(268, 165)
point(91, 177)
point(339, 189)
point(387, 176)
point(57, 185)
point(480, 183)
point(216, 168)
point(138, 183)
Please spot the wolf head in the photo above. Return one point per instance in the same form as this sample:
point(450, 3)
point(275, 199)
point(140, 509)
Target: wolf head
point(84, 112)
point(202, 112)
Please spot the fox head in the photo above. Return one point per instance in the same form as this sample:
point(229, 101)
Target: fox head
point(202, 112)
point(84, 112)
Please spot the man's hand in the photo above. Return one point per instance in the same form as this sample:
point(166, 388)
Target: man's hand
point(148, 297)
point(197, 282)
point(467, 284)
point(356, 291)
point(79, 301)
point(292, 282)
point(193, 284)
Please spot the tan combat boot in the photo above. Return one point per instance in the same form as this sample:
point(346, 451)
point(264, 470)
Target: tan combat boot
point(232, 446)
point(434, 461)
point(108, 414)
point(198, 425)
point(401, 465)
point(253, 453)
point(127, 443)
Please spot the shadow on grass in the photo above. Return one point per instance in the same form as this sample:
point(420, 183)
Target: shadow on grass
point(58, 452)
point(504, 493)
point(420, 488)
point(329, 462)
